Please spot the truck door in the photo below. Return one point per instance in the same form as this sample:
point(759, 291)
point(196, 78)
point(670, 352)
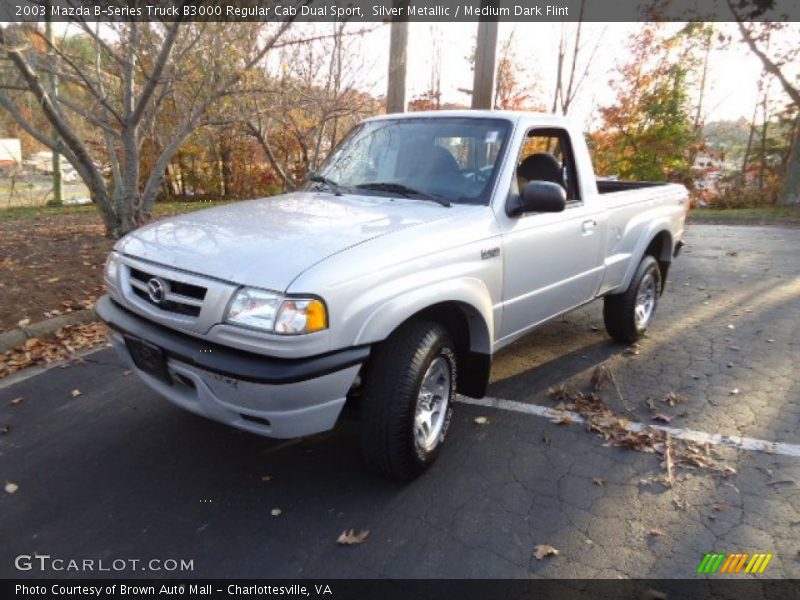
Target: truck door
point(552, 261)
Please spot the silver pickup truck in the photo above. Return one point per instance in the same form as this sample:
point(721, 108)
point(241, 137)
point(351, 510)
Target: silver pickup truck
point(426, 243)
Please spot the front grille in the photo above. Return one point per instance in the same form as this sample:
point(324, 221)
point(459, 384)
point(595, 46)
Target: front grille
point(179, 297)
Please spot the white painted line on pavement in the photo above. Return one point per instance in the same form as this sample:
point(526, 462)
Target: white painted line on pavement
point(701, 437)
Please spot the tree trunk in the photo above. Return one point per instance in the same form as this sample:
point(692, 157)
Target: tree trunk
point(263, 140)
point(559, 69)
point(747, 150)
point(790, 195)
point(169, 181)
point(762, 164)
point(105, 205)
point(227, 170)
point(698, 115)
point(182, 178)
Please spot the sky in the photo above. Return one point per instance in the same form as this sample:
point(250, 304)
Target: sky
point(731, 85)
point(731, 90)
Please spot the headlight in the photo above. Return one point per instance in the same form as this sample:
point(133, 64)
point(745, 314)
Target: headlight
point(254, 308)
point(112, 268)
point(272, 312)
point(301, 316)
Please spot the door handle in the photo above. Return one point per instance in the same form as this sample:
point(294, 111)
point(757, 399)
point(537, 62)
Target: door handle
point(588, 226)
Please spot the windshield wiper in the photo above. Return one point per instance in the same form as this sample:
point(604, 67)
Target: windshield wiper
point(317, 178)
point(406, 191)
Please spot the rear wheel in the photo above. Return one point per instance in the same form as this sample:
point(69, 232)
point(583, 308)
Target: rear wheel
point(628, 314)
point(409, 388)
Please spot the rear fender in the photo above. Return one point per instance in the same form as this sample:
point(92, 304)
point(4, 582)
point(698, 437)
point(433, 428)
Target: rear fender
point(663, 255)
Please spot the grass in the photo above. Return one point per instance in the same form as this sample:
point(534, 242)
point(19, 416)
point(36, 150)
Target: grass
point(765, 214)
point(161, 209)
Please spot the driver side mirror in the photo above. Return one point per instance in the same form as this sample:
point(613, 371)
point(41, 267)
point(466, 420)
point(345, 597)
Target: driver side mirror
point(538, 196)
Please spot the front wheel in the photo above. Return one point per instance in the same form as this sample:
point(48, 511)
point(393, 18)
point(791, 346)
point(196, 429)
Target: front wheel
point(409, 389)
point(628, 314)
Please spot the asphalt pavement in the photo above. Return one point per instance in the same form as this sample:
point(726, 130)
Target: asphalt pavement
point(117, 473)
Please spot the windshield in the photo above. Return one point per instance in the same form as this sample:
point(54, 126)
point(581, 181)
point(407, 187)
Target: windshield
point(443, 158)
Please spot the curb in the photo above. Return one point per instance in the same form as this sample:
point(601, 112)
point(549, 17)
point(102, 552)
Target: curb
point(17, 337)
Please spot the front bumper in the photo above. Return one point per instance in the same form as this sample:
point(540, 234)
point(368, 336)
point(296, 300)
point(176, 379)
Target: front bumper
point(280, 398)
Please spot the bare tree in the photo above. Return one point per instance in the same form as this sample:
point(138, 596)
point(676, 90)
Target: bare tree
point(435, 88)
point(569, 77)
point(708, 35)
point(312, 101)
point(749, 147)
point(134, 74)
point(517, 86)
point(758, 37)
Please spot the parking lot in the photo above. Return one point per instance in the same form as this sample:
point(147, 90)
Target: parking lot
point(117, 472)
point(32, 189)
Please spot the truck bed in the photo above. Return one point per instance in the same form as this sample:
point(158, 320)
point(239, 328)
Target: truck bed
point(609, 186)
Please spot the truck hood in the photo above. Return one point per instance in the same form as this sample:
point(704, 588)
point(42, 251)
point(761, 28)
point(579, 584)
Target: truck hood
point(268, 242)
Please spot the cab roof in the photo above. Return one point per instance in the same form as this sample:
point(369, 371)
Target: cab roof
point(543, 118)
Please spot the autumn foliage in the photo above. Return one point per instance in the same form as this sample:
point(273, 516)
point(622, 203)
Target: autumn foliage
point(648, 133)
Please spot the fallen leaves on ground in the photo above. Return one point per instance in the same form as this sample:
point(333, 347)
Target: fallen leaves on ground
point(543, 550)
point(673, 398)
point(349, 537)
point(11, 487)
point(560, 392)
point(619, 432)
point(720, 506)
point(44, 262)
point(481, 420)
point(40, 351)
point(611, 427)
point(600, 376)
point(669, 464)
point(562, 419)
point(663, 418)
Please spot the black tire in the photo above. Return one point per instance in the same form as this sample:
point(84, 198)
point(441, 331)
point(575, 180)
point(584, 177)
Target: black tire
point(619, 309)
point(392, 382)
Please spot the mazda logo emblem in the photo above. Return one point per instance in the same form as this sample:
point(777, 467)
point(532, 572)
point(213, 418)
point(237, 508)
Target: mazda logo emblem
point(157, 290)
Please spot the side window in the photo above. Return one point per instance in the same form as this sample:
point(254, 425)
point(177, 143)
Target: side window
point(547, 155)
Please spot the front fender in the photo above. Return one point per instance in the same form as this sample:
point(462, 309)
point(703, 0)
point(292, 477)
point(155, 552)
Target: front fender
point(470, 293)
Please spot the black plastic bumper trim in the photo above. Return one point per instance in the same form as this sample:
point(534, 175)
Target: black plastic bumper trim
point(229, 362)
